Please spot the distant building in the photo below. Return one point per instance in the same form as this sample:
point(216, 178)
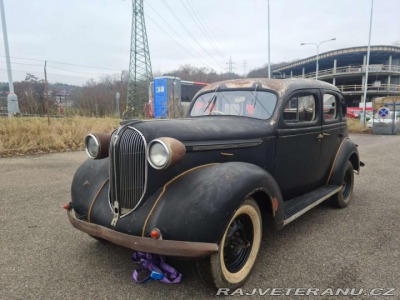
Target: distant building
point(3, 99)
point(63, 97)
point(346, 68)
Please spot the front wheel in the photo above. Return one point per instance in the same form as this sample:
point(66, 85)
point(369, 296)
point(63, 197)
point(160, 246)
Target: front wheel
point(231, 265)
point(342, 199)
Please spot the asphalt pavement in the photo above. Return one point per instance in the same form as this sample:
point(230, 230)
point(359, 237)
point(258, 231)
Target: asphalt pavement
point(43, 257)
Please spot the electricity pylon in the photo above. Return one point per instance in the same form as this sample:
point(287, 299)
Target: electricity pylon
point(140, 74)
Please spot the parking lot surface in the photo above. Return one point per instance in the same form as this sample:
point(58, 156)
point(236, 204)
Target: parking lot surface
point(43, 257)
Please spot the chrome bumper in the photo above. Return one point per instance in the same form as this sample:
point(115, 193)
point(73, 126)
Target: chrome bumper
point(162, 247)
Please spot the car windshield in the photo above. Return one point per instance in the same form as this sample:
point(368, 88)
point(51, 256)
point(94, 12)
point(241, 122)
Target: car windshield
point(252, 104)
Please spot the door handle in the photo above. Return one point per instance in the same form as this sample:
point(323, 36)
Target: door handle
point(321, 135)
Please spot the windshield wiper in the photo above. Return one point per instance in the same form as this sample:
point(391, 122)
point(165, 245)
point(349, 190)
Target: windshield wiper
point(212, 100)
point(254, 102)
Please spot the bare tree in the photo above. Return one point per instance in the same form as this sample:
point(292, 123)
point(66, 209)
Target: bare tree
point(31, 95)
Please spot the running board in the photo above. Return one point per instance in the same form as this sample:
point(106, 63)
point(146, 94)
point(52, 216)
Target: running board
point(296, 207)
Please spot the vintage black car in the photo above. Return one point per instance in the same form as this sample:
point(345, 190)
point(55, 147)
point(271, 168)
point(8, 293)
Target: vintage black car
point(197, 187)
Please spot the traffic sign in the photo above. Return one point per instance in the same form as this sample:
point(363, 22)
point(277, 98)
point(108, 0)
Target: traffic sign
point(383, 112)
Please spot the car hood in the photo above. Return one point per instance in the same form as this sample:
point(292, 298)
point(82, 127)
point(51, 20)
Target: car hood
point(205, 128)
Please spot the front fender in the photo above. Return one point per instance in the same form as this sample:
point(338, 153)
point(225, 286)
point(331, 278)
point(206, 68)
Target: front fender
point(347, 151)
point(198, 205)
point(87, 181)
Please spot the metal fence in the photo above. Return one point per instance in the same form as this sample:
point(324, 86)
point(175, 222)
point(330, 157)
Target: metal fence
point(386, 115)
point(352, 69)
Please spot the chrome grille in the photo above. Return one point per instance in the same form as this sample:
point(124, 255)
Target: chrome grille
point(128, 169)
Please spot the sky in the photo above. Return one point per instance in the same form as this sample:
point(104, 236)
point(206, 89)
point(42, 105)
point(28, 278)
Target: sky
point(200, 33)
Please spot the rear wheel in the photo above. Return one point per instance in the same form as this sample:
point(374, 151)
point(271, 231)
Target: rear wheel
point(342, 199)
point(231, 265)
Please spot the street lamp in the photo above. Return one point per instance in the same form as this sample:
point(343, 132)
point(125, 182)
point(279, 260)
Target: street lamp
point(117, 112)
point(12, 99)
point(317, 45)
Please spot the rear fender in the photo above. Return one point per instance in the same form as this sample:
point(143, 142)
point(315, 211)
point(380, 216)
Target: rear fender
point(347, 152)
point(198, 205)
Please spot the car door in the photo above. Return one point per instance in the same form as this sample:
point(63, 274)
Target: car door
point(331, 131)
point(298, 143)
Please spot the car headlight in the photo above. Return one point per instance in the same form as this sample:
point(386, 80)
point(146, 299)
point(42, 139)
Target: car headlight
point(165, 152)
point(96, 145)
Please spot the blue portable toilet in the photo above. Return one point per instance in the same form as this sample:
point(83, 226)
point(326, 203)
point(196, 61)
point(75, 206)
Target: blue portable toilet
point(160, 97)
point(167, 97)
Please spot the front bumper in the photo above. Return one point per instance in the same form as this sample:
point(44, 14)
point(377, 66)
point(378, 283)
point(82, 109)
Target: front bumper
point(162, 247)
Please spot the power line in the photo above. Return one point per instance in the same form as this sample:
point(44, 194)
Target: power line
point(55, 77)
point(77, 65)
point(202, 29)
point(176, 33)
point(72, 71)
point(62, 63)
point(166, 32)
point(50, 66)
point(25, 64)
point(188, 32)
point(41, 72)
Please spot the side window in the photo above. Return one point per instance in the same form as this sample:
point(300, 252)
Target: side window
point(300, 109)
point(330, 107)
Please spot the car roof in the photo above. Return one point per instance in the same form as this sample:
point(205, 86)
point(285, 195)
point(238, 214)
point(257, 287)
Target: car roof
point(281, 86)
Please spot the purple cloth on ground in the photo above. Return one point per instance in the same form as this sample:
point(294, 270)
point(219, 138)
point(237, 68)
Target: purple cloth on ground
point(154, 263)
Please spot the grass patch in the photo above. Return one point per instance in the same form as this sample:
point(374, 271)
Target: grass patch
point(355, 126)
point(21, 136)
